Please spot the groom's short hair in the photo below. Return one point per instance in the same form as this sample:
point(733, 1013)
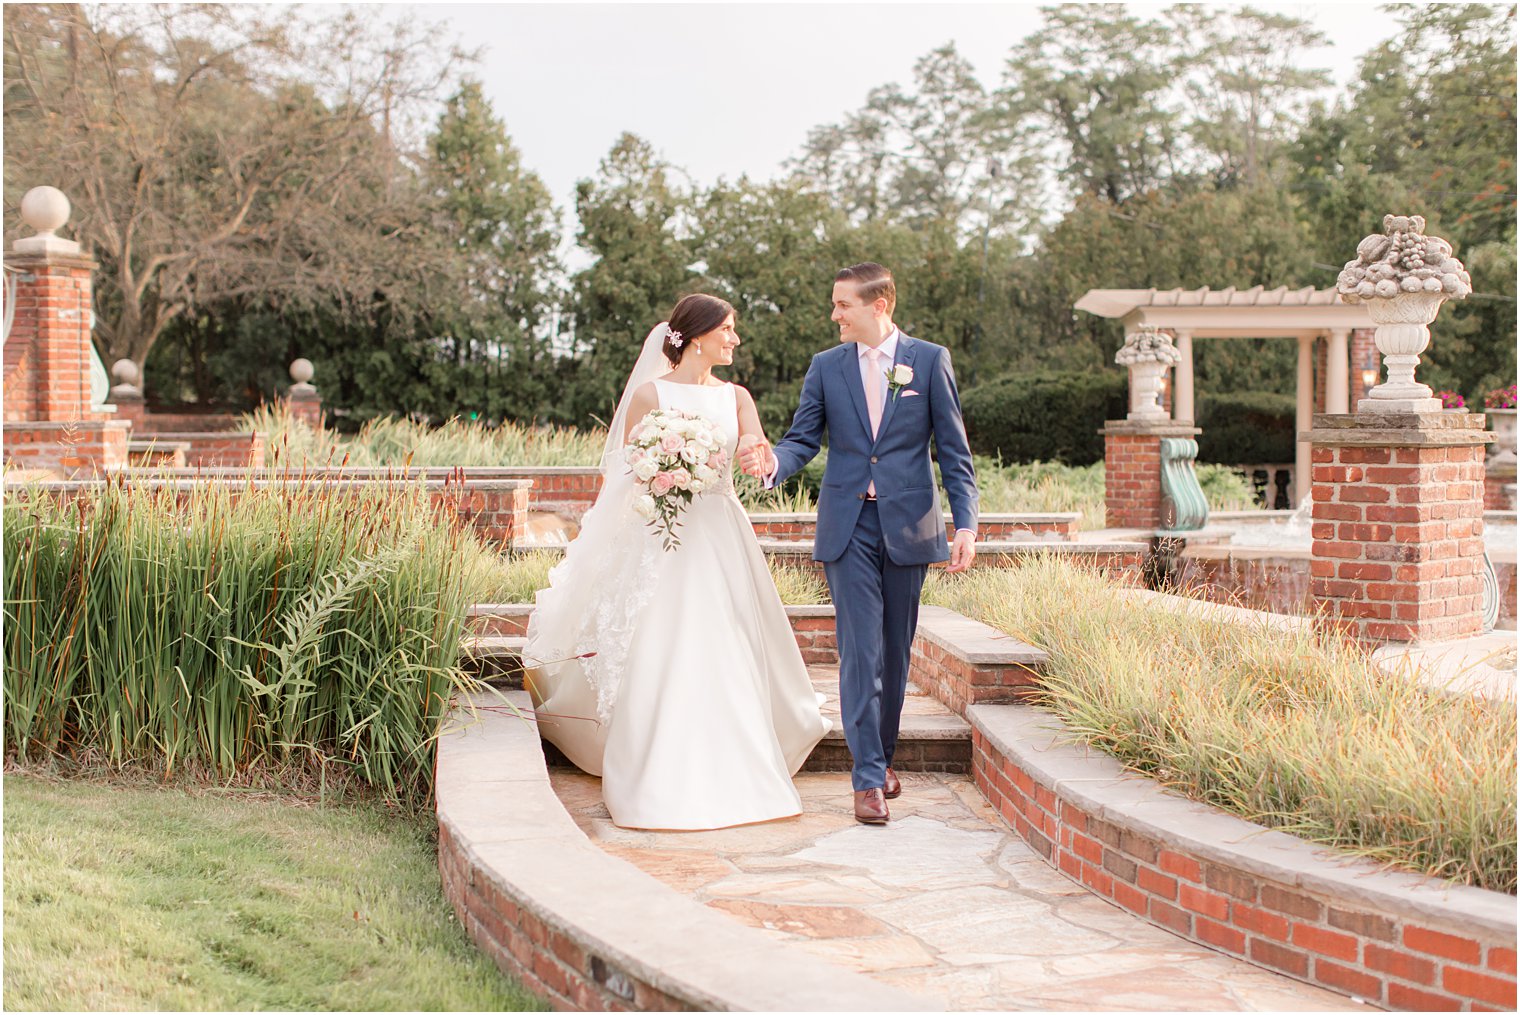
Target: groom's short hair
point(872, 281)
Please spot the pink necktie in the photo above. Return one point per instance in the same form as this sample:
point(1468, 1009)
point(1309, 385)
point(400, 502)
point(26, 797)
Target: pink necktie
point(874, 399)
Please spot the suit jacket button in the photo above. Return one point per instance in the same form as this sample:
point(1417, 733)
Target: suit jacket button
point(862, 496)
point(873, 459)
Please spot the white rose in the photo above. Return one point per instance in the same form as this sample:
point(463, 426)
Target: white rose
point(645, 506)
point(705, 439)
point(697, 486)
point(705, 474)
point(693, 454)
point(902, 374)
point(681, 426)
point(646, 469)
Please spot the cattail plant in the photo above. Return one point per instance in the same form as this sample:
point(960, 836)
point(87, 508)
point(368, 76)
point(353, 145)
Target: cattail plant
point(230, 626)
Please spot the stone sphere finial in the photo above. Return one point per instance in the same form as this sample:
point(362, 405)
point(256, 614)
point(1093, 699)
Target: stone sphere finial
point(45, 209)
point(301, 371)
point(124, 371)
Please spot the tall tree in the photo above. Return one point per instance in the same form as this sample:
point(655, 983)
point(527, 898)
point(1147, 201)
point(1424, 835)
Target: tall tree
point(1429, 129)
point(1095, 83)
point(204, 160)
point(927, 156)
point(1247, 90)
point(633, 218)
point(499, 219)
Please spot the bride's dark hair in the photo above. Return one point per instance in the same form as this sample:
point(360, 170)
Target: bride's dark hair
point(693, 317)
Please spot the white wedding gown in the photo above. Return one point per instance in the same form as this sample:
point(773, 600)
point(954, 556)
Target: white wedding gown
point(697, 708)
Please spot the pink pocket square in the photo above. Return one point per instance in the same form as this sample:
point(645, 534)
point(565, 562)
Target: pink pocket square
point(911, 394)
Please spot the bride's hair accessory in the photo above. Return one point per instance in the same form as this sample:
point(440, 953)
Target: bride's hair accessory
point(690, 319)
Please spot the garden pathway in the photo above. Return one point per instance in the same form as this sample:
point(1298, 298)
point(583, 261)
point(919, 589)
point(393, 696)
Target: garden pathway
point(945, 902)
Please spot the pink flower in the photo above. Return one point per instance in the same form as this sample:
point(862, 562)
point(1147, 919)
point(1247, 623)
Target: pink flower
point(717, 460)
point(635, 456)
point(661, 483)
point(681, 478)
point(672, 443)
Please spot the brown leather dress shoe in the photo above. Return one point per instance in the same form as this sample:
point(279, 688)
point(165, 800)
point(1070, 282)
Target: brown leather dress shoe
point(893, 789)
point(871, 807)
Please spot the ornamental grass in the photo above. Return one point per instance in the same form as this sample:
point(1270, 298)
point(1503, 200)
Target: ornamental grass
point(1293, 729)
point(232, 628)
point(396, 442)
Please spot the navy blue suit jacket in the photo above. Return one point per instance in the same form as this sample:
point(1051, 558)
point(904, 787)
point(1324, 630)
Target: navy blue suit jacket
point(834, 401)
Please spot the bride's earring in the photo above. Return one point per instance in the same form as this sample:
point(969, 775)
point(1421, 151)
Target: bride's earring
point(699, 348)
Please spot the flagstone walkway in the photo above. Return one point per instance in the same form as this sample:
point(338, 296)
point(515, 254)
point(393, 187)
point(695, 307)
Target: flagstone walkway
point(945, 902)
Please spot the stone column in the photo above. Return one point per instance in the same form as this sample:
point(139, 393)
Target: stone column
point(49, 420)
point(1398, 486)
point(1304, 412)
point(1337, 372)
point(1182, 399)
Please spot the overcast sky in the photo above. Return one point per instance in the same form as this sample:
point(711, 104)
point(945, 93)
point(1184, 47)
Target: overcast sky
point(729, 89)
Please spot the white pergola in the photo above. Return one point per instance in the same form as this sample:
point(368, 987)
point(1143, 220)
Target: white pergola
point(1301, 314)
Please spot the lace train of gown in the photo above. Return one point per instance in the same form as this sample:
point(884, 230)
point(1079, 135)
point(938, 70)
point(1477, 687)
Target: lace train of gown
point(714, 710)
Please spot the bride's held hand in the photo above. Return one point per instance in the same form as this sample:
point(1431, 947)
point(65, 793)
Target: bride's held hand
point(754, 455)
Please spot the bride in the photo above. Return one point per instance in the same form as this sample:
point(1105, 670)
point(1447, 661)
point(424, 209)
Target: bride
point(674, 674)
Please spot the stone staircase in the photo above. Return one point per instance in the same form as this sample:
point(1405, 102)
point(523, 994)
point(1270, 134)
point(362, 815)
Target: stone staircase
point(932, 739)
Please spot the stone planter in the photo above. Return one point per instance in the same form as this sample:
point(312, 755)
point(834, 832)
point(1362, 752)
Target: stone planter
point(1502, 423)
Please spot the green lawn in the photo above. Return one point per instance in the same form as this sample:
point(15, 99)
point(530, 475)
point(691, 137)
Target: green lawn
point(136, 897)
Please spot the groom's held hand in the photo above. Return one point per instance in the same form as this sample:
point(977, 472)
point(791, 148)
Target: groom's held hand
point(962, 551)
point(756, 460)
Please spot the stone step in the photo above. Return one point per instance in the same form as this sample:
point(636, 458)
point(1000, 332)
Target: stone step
point(931, 738)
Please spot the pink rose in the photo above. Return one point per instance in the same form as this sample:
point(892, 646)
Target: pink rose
point(672, 443)
point(717, 460)
point(635, 456)
point(681, 478)
point(662, 483)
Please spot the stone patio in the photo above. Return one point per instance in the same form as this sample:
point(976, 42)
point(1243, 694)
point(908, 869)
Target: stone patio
point(944, 902)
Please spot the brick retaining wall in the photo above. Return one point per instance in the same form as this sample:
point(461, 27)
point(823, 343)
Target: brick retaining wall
point(1396, 940)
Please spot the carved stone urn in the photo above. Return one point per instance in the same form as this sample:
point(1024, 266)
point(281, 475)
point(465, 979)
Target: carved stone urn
point(1403, 276)
point(1148, 353)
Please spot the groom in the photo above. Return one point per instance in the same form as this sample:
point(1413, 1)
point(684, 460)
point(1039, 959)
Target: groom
point(880, 397)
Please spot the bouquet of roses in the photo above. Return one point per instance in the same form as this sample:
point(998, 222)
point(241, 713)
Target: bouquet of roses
point(674, 456)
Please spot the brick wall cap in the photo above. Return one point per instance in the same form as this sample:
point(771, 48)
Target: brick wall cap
point(155, 479)
point(207, 435)
point(1040, 744)
point(1397, 429)
point(1006, 518)
point(26, 261)
point(974, 641)
point(1145, 428)
point(513, 831)
point(82, 426)
point(154, 444)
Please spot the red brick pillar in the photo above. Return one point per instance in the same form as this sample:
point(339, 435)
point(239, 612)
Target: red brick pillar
point(1132, 471)
point(1398, 524)
point(49, 421)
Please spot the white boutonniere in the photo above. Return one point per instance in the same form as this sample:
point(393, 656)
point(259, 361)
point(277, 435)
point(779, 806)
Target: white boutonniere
point(899, 377)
